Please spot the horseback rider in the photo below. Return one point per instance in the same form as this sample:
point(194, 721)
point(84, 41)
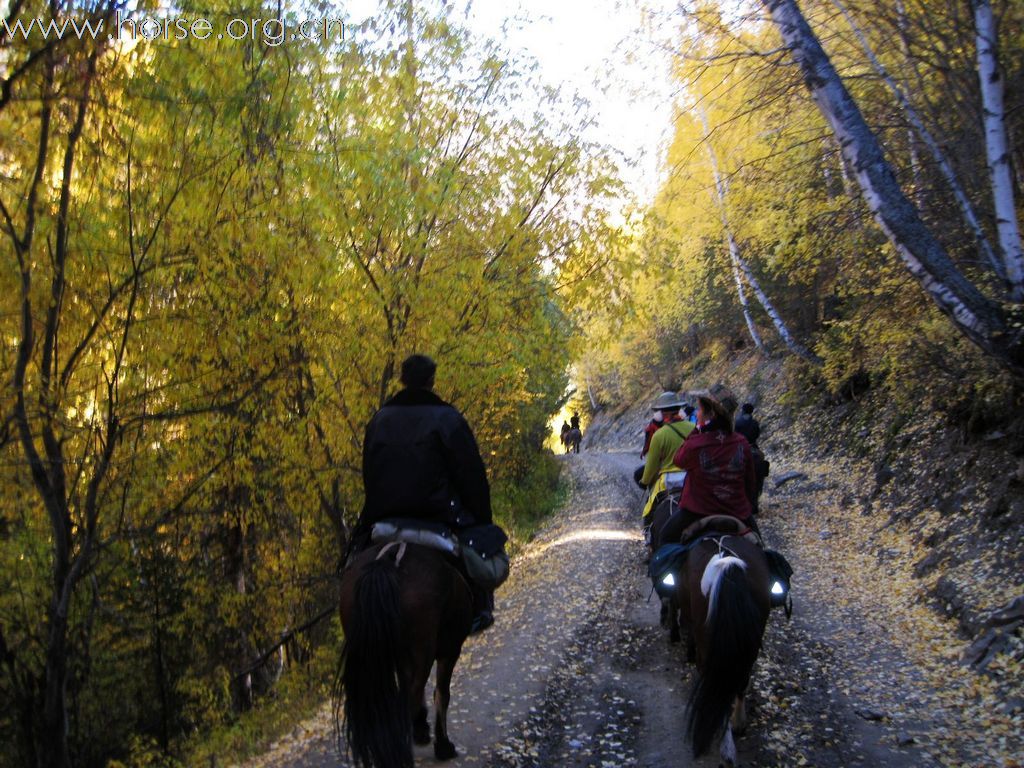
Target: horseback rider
point(421, 461)
point(664, 444)
point(749, 427)
point(655, 424)
point(719, 463)
point(691, 414)
point(574, 422)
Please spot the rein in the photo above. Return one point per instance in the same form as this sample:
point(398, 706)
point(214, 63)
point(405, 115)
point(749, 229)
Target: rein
point(389, 545)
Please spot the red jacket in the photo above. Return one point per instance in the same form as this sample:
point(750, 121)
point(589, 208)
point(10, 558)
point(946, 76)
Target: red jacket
point(720, 477)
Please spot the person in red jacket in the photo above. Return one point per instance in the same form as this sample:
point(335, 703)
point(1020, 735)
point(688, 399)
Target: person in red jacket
point(655, 424)
point(720, 478)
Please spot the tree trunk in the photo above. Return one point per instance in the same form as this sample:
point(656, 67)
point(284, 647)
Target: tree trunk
point(787, 338)
point(979, 319)
point(738, 265)
point(944, 166)
point(733, 247)
point(53, 748)
point(997, 147)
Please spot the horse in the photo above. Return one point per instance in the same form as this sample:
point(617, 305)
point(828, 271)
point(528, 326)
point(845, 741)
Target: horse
point(724, 600)
point(403, 607)
point(666, 528)
point(571, 440)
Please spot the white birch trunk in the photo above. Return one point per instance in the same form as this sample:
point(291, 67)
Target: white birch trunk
point(997, 147)
point(914, 117)
point(740, 265)
point(742, 294)
point(733, 246)
point(788, 339)
point(978, 318)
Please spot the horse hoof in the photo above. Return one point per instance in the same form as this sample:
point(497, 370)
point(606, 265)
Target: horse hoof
point(445, 750)
point(421, 735)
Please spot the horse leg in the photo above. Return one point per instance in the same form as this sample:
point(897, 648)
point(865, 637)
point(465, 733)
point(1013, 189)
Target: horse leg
point(418, 676)
point(420, 725)
point(727, 749)
point(738, 721)
point(673, 621)
point(443, 747)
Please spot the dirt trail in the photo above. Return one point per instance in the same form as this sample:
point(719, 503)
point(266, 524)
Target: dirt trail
point(577, 671)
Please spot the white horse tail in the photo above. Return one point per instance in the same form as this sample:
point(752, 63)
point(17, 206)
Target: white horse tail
point(712, 578)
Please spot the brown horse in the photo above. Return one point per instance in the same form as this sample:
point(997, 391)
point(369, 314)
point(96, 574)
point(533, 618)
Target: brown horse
point(724, 602)
point(403, 607)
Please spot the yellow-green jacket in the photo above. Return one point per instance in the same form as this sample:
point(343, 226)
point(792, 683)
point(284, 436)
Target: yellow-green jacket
point(664, 444)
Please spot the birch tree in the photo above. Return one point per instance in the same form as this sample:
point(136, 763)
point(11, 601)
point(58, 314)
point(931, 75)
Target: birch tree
point(997, 147)
point(980, 319)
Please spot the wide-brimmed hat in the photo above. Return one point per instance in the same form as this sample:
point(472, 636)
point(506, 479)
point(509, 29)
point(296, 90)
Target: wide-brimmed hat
point(667, 400)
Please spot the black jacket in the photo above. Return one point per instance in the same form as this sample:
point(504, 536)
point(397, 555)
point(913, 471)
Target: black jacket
point(420, 460)
point(747, 426)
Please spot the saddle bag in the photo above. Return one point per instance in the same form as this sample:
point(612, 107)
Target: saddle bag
point(781, 572)
point(674, 481)
point(665, 566)
point(483, 554)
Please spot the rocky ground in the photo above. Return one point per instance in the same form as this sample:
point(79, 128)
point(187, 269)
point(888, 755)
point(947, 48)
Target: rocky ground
point(577, 671)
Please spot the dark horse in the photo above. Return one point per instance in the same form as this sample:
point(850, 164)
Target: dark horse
point(724, 601)
point(666, 528)
point(571, 440)
point(403, 607)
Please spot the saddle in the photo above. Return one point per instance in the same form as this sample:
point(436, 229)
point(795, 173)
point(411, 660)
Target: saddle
point(478, 549)
point(426, 533)
point(726, 524)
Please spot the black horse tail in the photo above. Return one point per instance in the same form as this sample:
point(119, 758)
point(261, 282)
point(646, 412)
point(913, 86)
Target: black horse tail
point(734, 640)
point(377, 723)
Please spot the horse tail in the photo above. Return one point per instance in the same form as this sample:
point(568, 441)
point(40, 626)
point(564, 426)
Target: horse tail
point(733, 642)
point(377, 721)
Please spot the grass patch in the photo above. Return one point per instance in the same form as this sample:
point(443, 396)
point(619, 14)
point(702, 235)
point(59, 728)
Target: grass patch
point(520, 506)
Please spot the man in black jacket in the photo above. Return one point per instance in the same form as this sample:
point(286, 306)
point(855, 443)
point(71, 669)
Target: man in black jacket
point(748, 426)
point(420, 460)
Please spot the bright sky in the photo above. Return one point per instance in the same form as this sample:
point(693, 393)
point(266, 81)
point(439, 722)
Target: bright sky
point(602, 49)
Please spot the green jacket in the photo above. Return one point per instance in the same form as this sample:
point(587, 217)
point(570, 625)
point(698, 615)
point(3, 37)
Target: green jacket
point(664, 444)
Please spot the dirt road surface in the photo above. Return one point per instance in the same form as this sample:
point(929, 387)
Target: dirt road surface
point(578, 672)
